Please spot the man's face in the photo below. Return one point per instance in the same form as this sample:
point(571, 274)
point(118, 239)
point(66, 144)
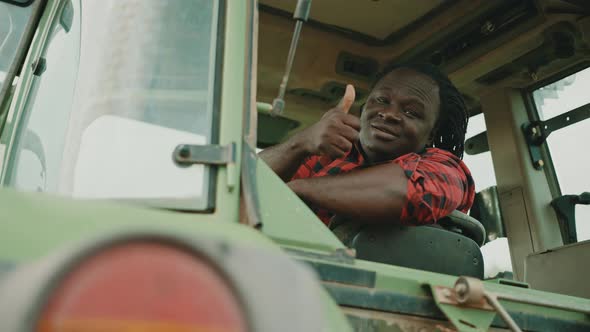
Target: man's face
point(399, 115)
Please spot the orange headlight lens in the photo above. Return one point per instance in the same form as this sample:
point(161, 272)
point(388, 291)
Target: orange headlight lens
point(143, 286)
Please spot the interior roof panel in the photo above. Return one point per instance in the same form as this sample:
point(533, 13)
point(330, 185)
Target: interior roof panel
point(378, 19)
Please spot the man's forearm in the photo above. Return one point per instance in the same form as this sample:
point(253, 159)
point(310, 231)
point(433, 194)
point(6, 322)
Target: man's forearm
point(285, 158)
point(375, 194)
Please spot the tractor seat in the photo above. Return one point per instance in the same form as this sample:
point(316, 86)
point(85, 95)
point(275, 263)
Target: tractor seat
point(448, 247)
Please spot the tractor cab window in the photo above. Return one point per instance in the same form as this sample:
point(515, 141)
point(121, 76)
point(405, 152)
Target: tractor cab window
point(124, 84)
point(13, 20)
point(562, 107)
point(479, 164)
point(486, 207)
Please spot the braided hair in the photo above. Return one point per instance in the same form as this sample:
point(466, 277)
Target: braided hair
point(451, 125)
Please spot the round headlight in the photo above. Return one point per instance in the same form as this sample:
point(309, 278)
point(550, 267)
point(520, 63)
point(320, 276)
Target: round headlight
point(143, 286)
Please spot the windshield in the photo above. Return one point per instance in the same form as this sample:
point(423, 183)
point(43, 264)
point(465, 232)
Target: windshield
point(13, 20)
point(125, 83)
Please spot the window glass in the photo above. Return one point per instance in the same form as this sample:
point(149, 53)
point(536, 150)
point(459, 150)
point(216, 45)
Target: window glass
point(568, 145)
point(496, 254)
point(125, 83)
point(480, 165)
point(13, 20)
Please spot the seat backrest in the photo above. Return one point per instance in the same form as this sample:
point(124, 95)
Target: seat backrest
point(486, 209)
point(426, 248)
point(465, 225)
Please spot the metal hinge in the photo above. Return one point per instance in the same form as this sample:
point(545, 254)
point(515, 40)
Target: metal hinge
point(189, 154)
point(213, 155)
point(469, 293)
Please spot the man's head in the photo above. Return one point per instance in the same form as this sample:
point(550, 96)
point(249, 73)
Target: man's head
point(410, 107)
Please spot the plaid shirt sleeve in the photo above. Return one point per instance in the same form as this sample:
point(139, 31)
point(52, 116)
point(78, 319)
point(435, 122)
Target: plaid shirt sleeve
point(310, 166)
point(438, 183)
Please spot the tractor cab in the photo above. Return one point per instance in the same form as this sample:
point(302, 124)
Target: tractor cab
point(129, 128)
point(518, 48)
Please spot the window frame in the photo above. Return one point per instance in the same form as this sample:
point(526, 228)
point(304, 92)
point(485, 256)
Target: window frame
point(533, 115)
point(219, 39)
point(478, 112)
point(19, 59)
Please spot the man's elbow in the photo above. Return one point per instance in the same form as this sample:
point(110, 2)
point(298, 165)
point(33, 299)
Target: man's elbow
point(397, 195)
point(388, 207)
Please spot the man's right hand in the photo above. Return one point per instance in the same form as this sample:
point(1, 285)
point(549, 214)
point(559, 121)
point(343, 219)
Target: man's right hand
point(332, 136)
point(336, 132)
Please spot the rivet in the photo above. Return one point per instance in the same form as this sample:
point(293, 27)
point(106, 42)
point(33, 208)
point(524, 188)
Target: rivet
point(184, 152)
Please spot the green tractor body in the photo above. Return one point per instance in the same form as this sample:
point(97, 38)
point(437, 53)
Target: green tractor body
point(132, 125)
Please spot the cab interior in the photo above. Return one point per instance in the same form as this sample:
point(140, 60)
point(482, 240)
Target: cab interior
point(496, 52)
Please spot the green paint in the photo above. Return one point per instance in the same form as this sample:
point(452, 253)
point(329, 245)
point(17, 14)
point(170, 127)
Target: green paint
point(232, 106)
point(468, 320)
point(285, 218)
point(33, 225)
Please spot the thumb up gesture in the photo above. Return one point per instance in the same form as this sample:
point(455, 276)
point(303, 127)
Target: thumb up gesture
point(336, 131)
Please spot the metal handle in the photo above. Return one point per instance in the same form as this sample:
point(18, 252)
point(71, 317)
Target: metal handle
point(301, 14)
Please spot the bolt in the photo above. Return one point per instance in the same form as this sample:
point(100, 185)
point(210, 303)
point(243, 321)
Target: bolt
point(487, 28)
point(184, 152)
point(539, 164)
point(461, 289)
point(534, 131)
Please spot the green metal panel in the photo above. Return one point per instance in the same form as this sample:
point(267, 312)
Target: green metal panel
point(285, 218)
point(234, 83)
point(35, 224)
point(407, 291)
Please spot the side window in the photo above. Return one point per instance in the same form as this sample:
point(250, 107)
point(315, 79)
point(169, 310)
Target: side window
point(568, 145)
point(122, 87)
point(480, 164)
point(496, 254)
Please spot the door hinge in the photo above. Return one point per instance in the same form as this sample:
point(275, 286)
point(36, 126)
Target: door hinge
point(213, 155)
point(189, 154)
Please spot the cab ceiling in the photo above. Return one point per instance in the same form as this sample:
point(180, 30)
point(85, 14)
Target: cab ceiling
point(376, 19)
point(522, 49)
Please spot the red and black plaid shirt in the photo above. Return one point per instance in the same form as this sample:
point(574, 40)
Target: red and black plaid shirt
point(438, 182)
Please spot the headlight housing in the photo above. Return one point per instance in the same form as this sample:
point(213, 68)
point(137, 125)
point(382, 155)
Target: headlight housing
point(144, 281)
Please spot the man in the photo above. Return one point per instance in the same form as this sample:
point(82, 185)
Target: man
point(401, 162)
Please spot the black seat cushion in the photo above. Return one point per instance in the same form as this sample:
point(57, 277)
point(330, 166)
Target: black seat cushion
point(426, 248)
